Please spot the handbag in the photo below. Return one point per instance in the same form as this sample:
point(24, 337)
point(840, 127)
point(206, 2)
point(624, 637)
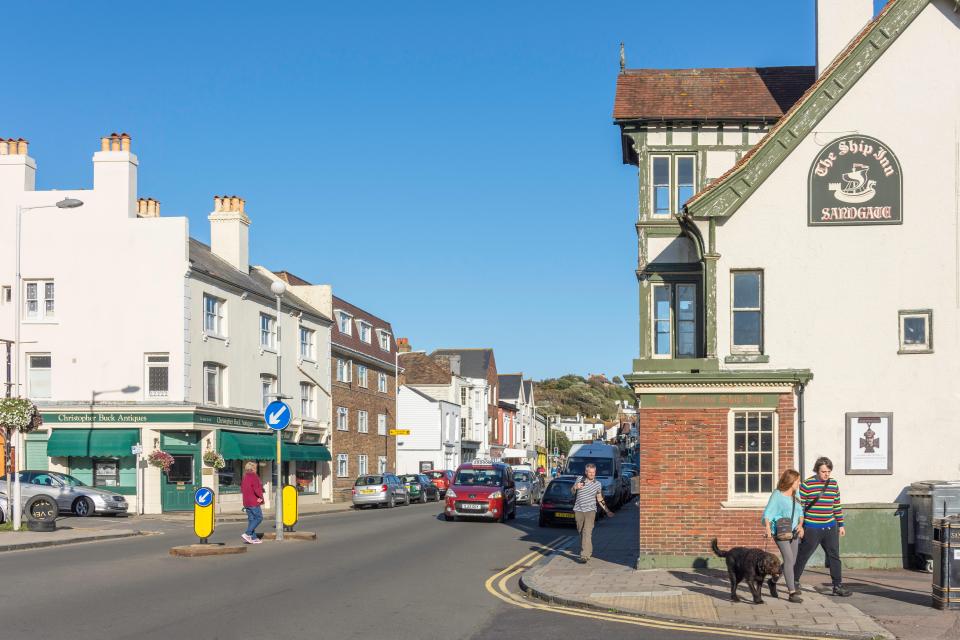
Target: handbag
point(784, 526)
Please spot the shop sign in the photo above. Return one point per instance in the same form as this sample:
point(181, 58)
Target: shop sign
point(117, 417)
point(855, 180)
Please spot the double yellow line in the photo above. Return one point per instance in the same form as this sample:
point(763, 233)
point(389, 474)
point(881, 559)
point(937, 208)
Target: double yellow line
point(496, 585)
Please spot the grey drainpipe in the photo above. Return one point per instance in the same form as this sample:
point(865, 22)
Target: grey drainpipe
point(800, 422)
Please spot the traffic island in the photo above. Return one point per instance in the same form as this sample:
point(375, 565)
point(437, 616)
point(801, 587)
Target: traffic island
point(292, 535)
point(201, 550)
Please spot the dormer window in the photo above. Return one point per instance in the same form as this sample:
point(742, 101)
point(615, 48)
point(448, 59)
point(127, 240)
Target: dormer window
point(365, 329)
point(344, 322)
point(384, 338)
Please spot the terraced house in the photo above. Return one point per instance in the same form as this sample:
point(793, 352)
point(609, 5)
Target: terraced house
point(799, 279)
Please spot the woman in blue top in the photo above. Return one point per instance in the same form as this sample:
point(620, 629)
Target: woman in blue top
point(783, 504)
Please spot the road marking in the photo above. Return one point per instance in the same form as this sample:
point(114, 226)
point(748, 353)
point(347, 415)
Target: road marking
point(496, 585)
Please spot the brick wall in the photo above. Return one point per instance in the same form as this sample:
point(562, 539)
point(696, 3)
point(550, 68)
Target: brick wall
point(684, 480)
point(353, 443)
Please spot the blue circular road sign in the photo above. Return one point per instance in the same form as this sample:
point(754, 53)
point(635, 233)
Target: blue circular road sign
point(203, 497)
point(277, 415)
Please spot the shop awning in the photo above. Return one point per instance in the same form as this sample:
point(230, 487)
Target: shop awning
point(306, 452)
point(85, 443)
point(235, 445)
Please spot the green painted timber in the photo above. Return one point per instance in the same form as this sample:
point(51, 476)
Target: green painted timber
point(784, 376)
point(758, 358)
point(685, 365)
point(876, 537)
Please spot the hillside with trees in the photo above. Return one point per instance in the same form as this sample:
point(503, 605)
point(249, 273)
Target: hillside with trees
point(572, 394)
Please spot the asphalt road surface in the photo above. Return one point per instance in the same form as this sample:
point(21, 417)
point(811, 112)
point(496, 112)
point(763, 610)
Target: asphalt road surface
point(390, 573)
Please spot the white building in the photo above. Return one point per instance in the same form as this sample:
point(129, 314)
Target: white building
point(519, 392)
point(434, 439)
point(134, 333)
point(478, 400)
point(579, 429)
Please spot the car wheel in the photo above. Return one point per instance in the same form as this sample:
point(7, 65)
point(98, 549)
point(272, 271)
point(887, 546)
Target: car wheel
point(423, 497)
point(83, 507)
point(392, 502)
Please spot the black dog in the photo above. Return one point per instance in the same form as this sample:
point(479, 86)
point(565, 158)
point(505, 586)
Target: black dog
point(752, 565)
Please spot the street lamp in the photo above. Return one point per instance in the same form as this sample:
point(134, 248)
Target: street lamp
point(278, 288)
point(66, 203)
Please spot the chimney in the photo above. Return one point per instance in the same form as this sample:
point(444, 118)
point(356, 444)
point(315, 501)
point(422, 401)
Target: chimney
point(403, 345)
point(18, 171)
point(148, 208)
point(838, 22)
point(115, 176)
point(230, 232)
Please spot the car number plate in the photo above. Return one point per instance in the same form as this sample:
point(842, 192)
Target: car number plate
point(469, 505)
point(564, 515)
point(367, 491)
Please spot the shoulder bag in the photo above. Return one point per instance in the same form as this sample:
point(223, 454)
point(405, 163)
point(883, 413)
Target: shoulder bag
point(784, 526)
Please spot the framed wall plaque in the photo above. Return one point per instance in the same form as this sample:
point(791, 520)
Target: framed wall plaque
point(869, 443)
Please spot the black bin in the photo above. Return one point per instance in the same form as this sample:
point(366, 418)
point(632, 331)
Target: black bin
point(946, 563)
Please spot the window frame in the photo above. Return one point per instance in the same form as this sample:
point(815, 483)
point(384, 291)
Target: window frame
point(364, 328)
point(270, 332)
point(308, 354)
point(41, 300)
point(147, 366)
point(345, 459)
point(654, 185)
point(382, 462)
point(736, 349)
point(346, 367)
point(271, 388)
point(363, 464)
point(384, 336)
point(671, 286)
point(363, 421)
point(220, 370)
point(926, 347)
point(30, 368)
point(381, 424)
point(760, 497)
point(343, 412)
point(382, 386)
point(308, 402)
point(219, 315)
point(344, 324)
point(675, 180)
point(362, 377)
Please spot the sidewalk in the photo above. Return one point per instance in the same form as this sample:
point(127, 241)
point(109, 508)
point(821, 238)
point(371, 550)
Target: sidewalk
point(900, 600)
point(21, 540)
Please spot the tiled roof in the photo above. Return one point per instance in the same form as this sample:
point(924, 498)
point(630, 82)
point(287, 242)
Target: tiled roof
point(763, 93)
point(353, 340)
point(510, 385)
point(474, 363)
point(419, 368)
point(528, 391)
point(291, 279)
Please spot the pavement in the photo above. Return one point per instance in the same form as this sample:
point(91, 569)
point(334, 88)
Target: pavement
point(885, 604)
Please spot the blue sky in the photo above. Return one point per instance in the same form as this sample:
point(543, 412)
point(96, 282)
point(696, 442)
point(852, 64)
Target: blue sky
point(451, 167)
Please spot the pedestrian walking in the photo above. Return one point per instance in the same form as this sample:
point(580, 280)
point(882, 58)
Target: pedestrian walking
point(252, 492)
point(588, 493)
point(783, 521)
point(822, 523)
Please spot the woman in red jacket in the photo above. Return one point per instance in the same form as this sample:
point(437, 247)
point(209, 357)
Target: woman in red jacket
point(252, 492)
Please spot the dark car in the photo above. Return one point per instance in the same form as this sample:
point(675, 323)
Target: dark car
point(482, 489)
point(420, 488)
point(441, 479)
point(556, 504)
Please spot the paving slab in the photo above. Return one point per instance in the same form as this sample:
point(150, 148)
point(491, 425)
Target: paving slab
point(22, 540)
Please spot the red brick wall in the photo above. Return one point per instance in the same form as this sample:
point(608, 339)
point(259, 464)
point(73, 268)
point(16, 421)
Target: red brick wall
point(683, 480)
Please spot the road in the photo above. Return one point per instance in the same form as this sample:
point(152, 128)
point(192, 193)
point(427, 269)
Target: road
point(399, 573)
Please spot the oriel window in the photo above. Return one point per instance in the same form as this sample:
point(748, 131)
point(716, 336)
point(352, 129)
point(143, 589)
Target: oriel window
point(675, 320)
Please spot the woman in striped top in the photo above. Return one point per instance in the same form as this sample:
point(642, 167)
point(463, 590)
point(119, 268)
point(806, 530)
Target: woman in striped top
point(822, 522)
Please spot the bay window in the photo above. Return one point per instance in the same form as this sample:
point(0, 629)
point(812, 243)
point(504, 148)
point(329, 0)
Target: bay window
point(674, 320)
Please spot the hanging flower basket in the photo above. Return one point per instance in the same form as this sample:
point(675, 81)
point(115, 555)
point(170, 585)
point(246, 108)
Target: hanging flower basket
point(214, 459)
point(160, 459)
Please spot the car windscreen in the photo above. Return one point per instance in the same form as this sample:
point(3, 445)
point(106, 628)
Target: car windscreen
point(577, 466)
point(68, 480)
point(479, 477)
point(409, 478)
point(522, 476)
point(559, 491)
point(368, 480)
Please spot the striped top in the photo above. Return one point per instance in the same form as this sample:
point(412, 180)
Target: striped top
point(587, 497)
point(827, 511)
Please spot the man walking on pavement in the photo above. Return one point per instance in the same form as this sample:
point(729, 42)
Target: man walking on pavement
point(589, 493)
point(822, 523)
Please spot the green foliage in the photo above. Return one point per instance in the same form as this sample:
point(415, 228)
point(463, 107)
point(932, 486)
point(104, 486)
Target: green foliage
point(559, 440)
point(571, 394)
point(18, 414)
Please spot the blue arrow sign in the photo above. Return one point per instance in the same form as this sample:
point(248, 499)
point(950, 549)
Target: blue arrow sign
point(277, 415)
point(203, 497)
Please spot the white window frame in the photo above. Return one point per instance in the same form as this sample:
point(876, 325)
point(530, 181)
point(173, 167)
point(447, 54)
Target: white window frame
point(381, 464)
point(381, 424)
point(363, 422)
point(927, 315)
point(308, 400)
point(45, 305)
point(675, 180)
point(365, 331)
point(31, 393)
point(219, 316)
point(362, 375)
point(268, 383)
point(384, 337)
point(382, 382)
point(343, 465)
point(343, 322)
point(671, 287)
point(653, 187)
point(6, 294)
point(155, 361)
point(220, 370)
point(757, 499)
point(344, 370)
point(749, 349)
point(363, 465)
point(268, 335)
point(308, 346)
point(343, 419)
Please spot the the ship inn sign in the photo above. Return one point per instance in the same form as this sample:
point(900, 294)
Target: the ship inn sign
point(855, 180)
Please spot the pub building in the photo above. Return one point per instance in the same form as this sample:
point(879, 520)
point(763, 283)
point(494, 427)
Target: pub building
point(798, 237)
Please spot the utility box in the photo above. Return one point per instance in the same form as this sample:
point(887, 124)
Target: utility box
point(946, 563)
point(929, 500)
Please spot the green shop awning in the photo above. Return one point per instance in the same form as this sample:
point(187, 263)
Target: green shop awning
point(235, 445)
point(86, 443)
point(306, 452)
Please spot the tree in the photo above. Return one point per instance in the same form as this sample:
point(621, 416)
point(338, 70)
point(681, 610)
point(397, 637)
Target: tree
point(560, 441)
point(16, 415)
point(617, 380)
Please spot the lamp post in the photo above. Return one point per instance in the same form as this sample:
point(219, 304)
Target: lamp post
point(66, 203)
point(278, 289)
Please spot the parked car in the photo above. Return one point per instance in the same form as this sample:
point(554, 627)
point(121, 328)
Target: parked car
point(379, 490)
point(70, 494)
point(629, 466)
point(420, 488)
point(556, 505)
point(441, 479)
point(528, 487)
point(482, 489)
point(3, 508)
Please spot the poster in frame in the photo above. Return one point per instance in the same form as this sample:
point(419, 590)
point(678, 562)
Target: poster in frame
point(869, 443)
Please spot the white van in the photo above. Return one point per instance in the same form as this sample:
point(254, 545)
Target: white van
point(607, 460)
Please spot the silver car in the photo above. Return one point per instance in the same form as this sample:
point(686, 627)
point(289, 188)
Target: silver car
point(3, 508)
point(528, 487)
point(72, 495)
point(379, 489)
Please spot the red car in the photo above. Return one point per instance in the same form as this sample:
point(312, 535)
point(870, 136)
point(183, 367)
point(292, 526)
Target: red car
point(441, 480)
point(482, 489)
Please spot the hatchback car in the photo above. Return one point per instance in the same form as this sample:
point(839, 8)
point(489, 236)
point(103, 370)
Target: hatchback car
point(482, 489)
point(528, 487)
point(441, 479)
point(71, 494)
point(379, 490)
point(556, 506)
point(420, 488)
